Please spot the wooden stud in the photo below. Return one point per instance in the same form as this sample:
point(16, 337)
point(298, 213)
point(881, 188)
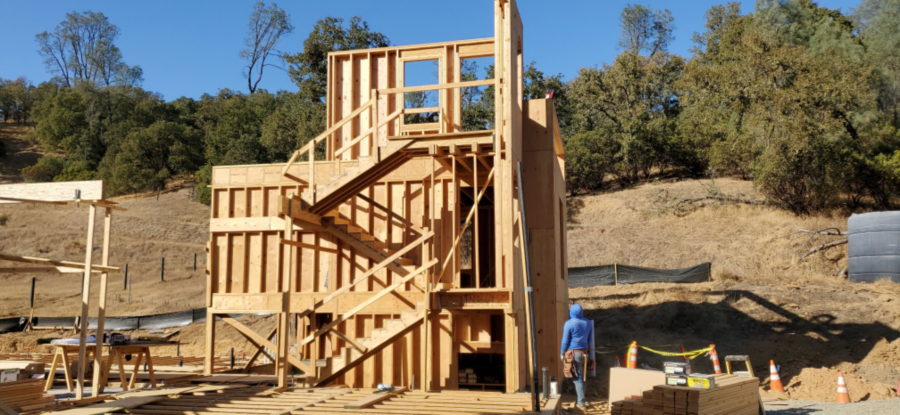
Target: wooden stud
point(85, 299)
point(101, 316)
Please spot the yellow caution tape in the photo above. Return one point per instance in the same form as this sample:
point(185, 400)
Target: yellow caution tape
point(689, 355)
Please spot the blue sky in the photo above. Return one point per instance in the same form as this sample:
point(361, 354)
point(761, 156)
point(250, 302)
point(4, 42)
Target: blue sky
point(188, 48)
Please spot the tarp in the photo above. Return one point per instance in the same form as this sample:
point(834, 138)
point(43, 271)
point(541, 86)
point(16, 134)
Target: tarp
point(155, 321)
point(11, 324)
point(169, 320)
point(67, 322)
point(628, 274)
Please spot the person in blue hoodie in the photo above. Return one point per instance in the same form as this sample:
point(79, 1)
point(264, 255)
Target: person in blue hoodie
point(578, 334)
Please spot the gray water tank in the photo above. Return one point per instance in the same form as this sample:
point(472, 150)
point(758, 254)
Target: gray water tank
point(874, 247)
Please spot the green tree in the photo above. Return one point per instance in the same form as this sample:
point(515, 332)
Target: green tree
point(266, 28)
point(645, 30)
point(82, 48)
point(877, 21)
point(629, 109)
point(309, 69)
point(763, 102)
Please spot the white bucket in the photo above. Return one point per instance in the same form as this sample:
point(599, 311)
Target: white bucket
point(554, 387)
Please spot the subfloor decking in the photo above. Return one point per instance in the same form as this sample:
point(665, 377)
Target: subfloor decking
point(260, 400)
point(263, 399)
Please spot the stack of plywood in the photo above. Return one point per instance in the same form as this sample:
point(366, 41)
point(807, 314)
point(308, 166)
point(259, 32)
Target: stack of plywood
point(732, 395)
point(24, 395)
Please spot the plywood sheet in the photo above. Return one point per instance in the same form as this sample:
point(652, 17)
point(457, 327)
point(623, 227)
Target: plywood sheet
point(53, 192)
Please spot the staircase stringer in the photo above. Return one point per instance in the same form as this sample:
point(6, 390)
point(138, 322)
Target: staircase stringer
point(373, 350)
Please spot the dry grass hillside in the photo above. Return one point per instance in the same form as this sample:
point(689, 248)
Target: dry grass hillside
point(762, 300)
point(20, 152)
point(173, 227)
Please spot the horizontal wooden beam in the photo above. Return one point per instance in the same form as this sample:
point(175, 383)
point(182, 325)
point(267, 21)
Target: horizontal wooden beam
point(421, 110)
point(310, 246)
point(43, 270)
point(56, 263)
point(258, 224)
point(422, 88)
point(368, 401)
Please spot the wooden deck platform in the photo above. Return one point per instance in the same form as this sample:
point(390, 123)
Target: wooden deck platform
point(236, 397)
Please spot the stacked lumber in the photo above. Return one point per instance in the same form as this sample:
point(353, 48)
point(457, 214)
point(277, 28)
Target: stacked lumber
point(25, 395)
point(732, 395)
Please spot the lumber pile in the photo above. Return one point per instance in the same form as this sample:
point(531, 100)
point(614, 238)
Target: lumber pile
point(732, 395)
point(25, 395)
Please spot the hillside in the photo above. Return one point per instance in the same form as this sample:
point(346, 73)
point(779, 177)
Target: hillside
point(762, 300)
point(173, 227)
point(20, 152)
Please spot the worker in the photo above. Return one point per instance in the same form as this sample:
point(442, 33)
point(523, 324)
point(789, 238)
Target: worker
point(578, 335)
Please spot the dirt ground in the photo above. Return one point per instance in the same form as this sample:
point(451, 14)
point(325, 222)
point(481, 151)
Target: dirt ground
point(762, 301)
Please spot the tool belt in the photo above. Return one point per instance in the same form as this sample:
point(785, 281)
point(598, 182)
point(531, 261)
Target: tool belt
point(569, 362)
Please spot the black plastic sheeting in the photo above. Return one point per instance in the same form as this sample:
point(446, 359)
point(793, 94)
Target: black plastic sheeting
point(164, 321)
point(11, 324)
point(606, 275)
point(66, 322)
point(156, 321)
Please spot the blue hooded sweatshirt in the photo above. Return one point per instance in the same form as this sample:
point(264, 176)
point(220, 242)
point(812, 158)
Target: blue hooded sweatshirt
point(578, 333)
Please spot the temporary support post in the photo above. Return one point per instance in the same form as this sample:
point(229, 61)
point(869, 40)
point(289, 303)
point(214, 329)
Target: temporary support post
point(101, 316)
point(528, 289)
point(85, 297)
point(195, 261)
point(162, 269)
point(31, 302)
point(125, 278)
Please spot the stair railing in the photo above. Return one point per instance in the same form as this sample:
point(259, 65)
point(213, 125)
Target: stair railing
point(376, 124)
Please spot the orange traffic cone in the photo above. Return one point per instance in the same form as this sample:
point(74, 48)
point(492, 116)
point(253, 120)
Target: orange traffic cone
point(686, 360)
point(774, 379)
point(618, 363)
point(715, 359)
point(842, 395)
point(632, 355)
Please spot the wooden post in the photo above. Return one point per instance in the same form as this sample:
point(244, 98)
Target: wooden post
point(162, 269)
point(85, 298)
point(210, 342)
point(195, 261)
point(31, 303)
point(125, 278)
point(616, 271)
point(101, 315)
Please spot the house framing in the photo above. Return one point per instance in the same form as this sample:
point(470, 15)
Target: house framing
point(396, 255)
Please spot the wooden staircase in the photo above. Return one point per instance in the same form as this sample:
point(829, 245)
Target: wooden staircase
point(352, 180)
point(379, 338)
